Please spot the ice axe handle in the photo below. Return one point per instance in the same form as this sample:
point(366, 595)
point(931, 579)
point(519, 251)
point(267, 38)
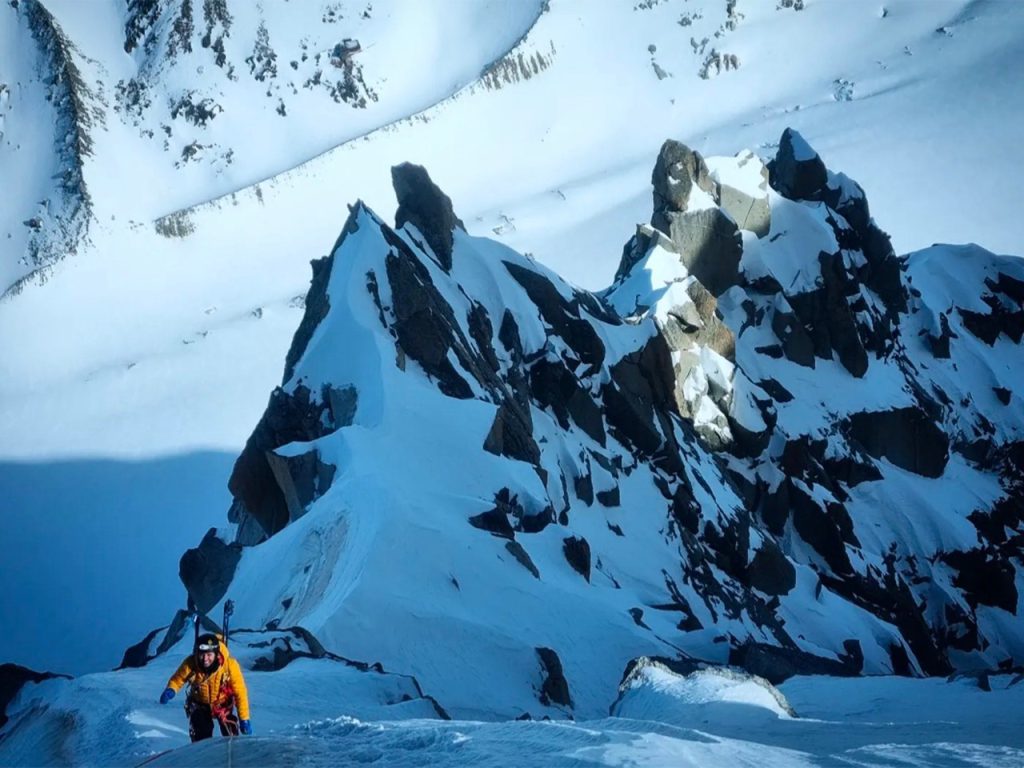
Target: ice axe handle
point(229, 608)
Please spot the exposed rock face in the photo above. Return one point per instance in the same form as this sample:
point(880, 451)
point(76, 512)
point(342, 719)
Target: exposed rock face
point(317, 306)
point(302, 479)
point(848, 302)
point(710, 245)
point(207, 570)
point(577, 552)
point(691, 195)
point(685, 209)
point(904, 436)
point(511, 434)
point(797, 172)
point(777, 665)
point(797, 346)
point(677, 173)
point(748, 207)
point(555, 689)
point(256, 481)
point(826, 316)
point(427, 208)
point(770, 571)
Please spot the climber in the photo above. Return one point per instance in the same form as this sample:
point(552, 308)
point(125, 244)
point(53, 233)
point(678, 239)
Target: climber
point(216, 688)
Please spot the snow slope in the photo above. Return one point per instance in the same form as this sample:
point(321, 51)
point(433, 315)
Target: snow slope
point(313, 714)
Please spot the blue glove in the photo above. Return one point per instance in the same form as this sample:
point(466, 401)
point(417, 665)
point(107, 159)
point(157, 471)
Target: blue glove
point(167, 695)
point(246, 727)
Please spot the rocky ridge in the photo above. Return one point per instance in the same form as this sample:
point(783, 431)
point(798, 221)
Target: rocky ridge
point(767, 402)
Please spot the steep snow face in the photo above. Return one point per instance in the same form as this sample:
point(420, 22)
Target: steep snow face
point(165, 103)
point(204, 99)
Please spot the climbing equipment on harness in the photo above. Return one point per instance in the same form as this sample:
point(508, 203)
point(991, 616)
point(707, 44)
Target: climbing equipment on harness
point(222, 707)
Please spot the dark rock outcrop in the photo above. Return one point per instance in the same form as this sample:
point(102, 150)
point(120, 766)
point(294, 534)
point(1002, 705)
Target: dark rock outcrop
point(985, 577)
point(290, 417)
point(138, 655)
point(522, 557)
point(426, 207)
point(511, 434)
point(905, 436)
point(826, 315)
point(563, 316)
point(509, 516)
point(424, 322)
point(797, 172)
point(555, 688)
point(706, 238)
point(770, 571)
point(777, 664)
point(207, 570)
point(577, 552)
point(796, 343)
point(302, 478)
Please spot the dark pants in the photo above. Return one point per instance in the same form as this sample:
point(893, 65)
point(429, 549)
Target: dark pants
point(200, 722)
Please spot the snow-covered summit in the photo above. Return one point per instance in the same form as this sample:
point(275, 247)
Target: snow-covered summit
point(468, 449)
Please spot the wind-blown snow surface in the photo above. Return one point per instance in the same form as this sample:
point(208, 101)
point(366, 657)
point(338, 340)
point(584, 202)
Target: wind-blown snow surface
point(318, 713)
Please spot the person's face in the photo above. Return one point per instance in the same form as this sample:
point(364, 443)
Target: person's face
point(206, 658)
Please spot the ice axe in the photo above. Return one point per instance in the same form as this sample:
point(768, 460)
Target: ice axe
point(229, 608)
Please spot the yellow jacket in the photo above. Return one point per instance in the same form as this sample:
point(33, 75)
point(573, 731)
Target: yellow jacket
point(207, 688)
